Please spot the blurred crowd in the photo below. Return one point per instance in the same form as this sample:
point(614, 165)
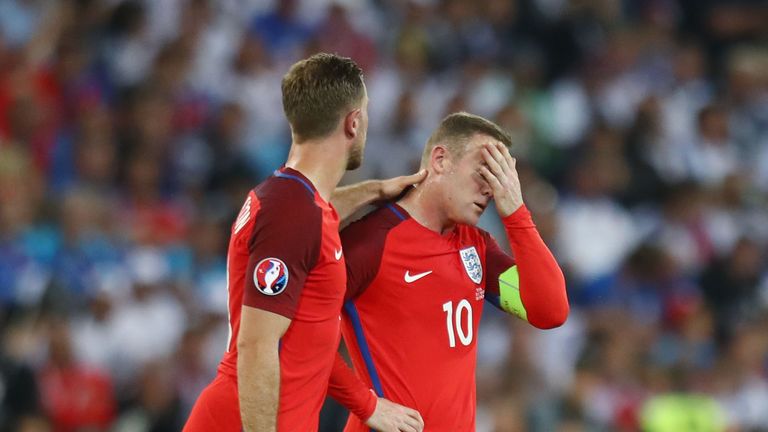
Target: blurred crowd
point(131, 131)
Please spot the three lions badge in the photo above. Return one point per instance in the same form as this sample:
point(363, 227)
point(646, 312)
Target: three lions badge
point(472, 265)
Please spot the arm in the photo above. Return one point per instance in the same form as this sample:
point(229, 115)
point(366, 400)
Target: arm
point(348, 390)
point(349, 199)
point(280, 258)
point(258, 367)
point(378, 413)
point(534, 289)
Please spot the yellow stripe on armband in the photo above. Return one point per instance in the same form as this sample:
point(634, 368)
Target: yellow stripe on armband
point(509, 293)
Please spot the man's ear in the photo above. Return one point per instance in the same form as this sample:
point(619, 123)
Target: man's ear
point(352, 123)
point(439, 159)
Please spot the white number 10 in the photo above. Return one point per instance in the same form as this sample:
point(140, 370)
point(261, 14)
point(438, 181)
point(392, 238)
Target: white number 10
point(465, 336)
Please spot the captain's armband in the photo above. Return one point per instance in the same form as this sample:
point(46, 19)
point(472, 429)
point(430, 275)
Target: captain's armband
point(509, 293)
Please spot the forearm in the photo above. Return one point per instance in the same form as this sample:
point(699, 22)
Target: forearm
point(348, 390)
point(349, 199)
point(258, 381)
point(536, 284)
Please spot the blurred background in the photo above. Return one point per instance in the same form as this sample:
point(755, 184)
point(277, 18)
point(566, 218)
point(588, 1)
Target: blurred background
point(130, 132)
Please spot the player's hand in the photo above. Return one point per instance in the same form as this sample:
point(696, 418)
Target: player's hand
point(500, 174)
point(391, 417)
point(391, 188)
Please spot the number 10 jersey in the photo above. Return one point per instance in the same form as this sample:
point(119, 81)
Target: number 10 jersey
point(410, 321)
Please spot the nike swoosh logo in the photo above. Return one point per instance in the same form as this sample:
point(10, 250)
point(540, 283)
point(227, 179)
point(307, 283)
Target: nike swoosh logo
point(409, 278)
point(337, 254)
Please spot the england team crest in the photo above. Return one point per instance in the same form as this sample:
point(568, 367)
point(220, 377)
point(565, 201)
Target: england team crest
point(472, 265)
point(270, 276)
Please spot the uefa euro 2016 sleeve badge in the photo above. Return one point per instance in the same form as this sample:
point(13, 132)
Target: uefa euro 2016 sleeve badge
point(270, 276)
point(472, 265)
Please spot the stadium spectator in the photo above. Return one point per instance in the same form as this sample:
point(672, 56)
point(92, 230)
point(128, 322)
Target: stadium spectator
point(160, 116)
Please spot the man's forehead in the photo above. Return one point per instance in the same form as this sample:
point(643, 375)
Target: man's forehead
point(477, 141)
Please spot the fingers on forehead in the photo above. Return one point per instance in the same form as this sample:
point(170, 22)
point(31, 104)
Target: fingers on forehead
point(490, 142)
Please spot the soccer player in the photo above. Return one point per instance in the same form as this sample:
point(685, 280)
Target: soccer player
point(419, 271)
point(285, 263)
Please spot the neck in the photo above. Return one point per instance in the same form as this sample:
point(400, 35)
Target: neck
point(323, 162)
point(423, 204)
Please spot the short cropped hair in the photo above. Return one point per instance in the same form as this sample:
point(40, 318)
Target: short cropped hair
point(457, 129)
point(318, 91)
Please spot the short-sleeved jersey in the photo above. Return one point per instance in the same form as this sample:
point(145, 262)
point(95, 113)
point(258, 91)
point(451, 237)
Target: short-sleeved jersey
point(414, 300)
point(285, 257)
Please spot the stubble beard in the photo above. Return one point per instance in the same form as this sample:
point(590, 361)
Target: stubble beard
point(355, 157)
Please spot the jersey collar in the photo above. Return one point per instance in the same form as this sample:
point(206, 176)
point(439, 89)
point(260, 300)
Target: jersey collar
point(286, 172)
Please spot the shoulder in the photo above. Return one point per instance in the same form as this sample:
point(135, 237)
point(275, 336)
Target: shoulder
point(286, 206)
point(373, 226)
point(287, 200)
point(364, 242)
point(286, 192)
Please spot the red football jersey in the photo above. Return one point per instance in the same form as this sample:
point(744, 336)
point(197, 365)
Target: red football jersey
point(284, 256)
point(414, 301)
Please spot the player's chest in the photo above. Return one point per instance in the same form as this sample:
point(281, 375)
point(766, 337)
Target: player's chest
point(435, 296)
point(421, 275)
